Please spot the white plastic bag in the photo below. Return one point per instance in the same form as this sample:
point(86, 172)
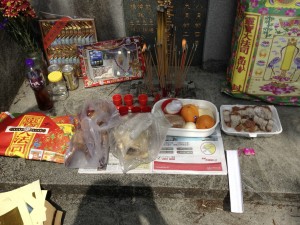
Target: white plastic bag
point(89, 147)
point(138, 139)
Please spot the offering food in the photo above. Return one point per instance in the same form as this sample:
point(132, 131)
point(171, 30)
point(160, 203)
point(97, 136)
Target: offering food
point(176, 121)
point(173, 107)
point(249, 118)
point(187, 116)
point(190, 125)
point(189, 113)
point(205, 122)
point(183, 124)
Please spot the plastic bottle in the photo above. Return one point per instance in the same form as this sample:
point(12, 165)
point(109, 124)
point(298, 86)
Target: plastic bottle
point(39, 62)
point(37, 83)
point(58, 86)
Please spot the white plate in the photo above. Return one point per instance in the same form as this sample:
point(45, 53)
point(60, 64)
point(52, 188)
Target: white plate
point(277, 129)
point(182, 132)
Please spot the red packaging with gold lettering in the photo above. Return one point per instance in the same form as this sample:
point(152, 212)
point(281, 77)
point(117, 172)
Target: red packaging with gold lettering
point(36, 136)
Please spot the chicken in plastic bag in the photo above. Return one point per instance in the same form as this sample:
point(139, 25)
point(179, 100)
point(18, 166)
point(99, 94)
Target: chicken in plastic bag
point(89, 147)
point(138, 139)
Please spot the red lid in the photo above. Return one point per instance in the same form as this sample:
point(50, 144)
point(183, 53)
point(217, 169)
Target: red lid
point(146, 109)
point(123, 110)
point(136, 109)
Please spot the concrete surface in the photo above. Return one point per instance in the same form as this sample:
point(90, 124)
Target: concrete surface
point(272, 175)
point(219, 27)
point(95, 210)
point(11, 76)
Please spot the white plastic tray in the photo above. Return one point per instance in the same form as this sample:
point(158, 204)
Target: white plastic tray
point(277, 128)
point(182, 132)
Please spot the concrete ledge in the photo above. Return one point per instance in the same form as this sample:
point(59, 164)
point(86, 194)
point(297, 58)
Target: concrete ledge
point(273, 174)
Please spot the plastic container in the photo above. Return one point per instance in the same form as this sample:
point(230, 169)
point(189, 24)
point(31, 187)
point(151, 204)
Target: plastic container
point(277, 128)
point(53, 67)
point(143, 99)
point(123, 110)
point(58, 88)
point(182, 132)
point(117, 100)
point(128, 100)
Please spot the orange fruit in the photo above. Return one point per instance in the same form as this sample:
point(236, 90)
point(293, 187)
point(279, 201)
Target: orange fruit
point(189, 112)
point(205, 122)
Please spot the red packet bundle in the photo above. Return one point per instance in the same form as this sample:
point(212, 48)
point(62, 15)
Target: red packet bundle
point(36, 136)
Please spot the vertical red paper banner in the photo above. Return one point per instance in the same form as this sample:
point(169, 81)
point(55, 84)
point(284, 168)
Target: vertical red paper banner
point(55, 31)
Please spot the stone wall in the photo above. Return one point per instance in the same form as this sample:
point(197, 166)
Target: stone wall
point(108, 14)
point(11, 70)
point(109, 19)
point(219, 28)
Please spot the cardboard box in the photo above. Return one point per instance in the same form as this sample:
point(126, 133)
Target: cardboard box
point(53, 216)
point(112, 61)
point(62, 36)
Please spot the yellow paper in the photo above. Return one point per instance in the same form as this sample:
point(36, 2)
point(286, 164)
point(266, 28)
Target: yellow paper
point(33, 196)
point(7, 205)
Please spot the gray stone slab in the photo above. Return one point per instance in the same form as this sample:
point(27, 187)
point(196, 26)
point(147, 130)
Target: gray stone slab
point(11, 76)
point(273, 174)
point(91, 209)
point(219, 27)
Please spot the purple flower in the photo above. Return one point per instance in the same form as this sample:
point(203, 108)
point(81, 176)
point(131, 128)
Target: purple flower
point(3, 23)
point(290, 12)
point(280, 78)
point(254, 3)
point(263, 11)
point(276, 25)
point(285, 24)
point(296, 22)
point(294, 30)
point(294, 99)
point(278, 89)
point(270, 98)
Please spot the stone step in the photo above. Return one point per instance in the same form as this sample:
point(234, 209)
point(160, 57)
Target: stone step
point(93, 209)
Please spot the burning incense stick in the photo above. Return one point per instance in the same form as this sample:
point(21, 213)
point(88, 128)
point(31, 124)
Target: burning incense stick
point(172, 65)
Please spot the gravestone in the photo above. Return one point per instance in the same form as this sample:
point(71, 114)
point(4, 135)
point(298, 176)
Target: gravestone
point(188, 16)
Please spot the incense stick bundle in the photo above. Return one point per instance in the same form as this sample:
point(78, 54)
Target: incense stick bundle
point(148, 78)
point(161, 45)
point(172, 64)
point(185, 63)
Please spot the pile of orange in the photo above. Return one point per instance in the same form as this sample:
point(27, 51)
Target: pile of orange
point(190, 113)
point(205, 122)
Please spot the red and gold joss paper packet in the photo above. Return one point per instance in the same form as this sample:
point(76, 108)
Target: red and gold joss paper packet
point(36, 136)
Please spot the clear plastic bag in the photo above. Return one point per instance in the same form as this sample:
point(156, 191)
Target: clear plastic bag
point(138, 139)
point(89, 147)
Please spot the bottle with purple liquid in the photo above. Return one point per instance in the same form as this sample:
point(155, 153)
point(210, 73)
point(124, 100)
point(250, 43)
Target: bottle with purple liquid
point(38, 85)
